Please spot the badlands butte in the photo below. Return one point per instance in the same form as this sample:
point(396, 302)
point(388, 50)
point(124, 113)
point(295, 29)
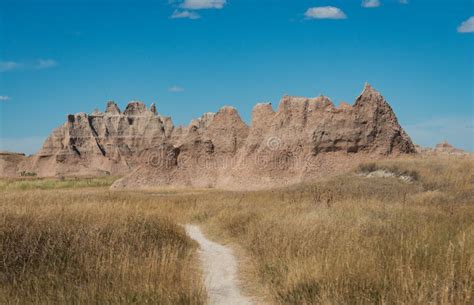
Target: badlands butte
point(304, 139)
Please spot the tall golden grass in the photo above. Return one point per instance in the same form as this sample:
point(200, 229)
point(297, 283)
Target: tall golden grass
point(344, 240)
point(355, 240)
point(86, 247)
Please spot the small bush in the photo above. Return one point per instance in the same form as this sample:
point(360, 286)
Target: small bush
point(27, 174)
point(398, 170)
point(367, 168)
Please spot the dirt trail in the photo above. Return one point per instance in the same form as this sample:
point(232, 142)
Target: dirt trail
point(220, 270)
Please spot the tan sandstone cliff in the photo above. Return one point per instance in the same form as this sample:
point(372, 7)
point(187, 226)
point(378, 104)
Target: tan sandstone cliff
point(10, 164)
point(304, 138)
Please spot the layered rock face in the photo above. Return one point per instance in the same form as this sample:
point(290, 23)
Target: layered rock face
point(310, 138)
point(109, 142)
point(10, 162)
point(305, 138)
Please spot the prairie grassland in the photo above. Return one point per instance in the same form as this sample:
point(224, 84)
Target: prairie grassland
point(344, 240)
point(86, 247)
point(354, 240)
point(54, 183)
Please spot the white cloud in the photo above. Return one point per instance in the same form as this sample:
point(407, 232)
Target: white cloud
point(370, 3)
point(467, 26)
point(9, 66)
point(38, 65)
point(45, 64)
point(177, 14)
point(325, 12)
point(5, 98)
point(203, 4)
point(176, 89)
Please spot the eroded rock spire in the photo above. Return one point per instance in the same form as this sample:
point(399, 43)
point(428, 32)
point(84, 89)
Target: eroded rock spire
point(305, 138)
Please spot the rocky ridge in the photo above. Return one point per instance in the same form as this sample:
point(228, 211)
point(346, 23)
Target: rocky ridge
point(10, 162)
point(443, 148)
point(304, 138)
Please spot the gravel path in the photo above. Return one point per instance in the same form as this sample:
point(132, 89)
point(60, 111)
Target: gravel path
point(220, 270)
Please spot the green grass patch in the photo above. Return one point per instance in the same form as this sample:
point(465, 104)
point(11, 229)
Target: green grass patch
point(55, 183)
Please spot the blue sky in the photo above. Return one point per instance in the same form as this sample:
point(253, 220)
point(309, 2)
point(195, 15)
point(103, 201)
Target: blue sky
point(194, 56)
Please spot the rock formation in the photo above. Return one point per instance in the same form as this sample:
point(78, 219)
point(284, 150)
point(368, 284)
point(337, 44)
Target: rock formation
point(443, 148)
point(304, 138)
point(9, 164)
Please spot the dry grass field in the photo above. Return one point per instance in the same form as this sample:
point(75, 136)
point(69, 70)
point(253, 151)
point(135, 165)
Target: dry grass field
point(89, 246)
point(344, 240)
